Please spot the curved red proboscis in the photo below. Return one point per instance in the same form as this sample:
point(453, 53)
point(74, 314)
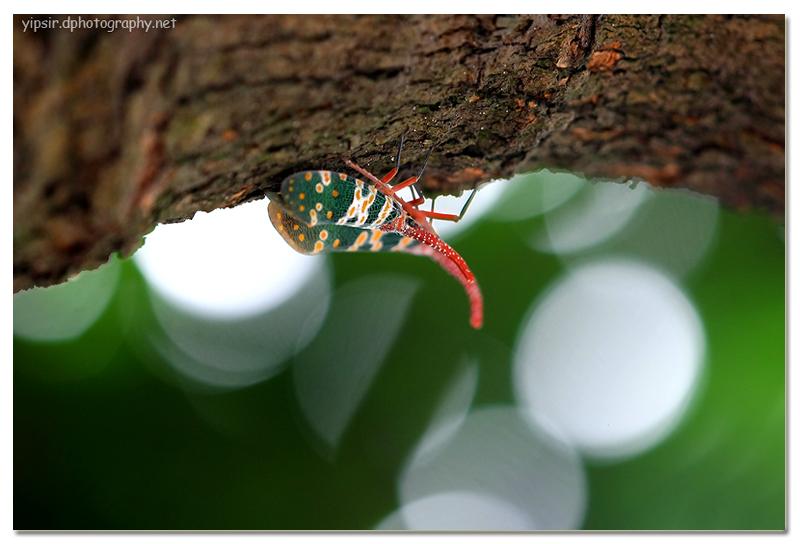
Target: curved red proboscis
point(470, 286)
point(432, 240)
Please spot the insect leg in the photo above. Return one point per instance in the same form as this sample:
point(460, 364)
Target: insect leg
point(419, 176)
point(416, 192)
point(393, 172)
point(449, 216)
point(389, 192)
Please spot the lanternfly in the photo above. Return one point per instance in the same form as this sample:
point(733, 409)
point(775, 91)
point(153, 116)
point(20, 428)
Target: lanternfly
point(319, 211)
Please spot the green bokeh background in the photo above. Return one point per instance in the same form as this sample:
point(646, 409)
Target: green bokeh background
point(101, 441)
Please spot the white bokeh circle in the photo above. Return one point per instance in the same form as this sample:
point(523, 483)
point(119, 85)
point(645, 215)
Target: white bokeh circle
point(508, 474)
point(610, 356)
point(227, 264)
point(63, 312)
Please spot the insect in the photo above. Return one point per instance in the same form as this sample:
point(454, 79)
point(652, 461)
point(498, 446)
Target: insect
point(320, 211)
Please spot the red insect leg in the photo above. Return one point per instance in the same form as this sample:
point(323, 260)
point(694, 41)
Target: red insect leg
point(441, 216)
point(403, 184)
point(390, 176)
point(449, 216)
point(393, 172)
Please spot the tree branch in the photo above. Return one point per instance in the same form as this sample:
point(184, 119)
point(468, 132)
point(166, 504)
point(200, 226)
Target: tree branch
point(115, 132)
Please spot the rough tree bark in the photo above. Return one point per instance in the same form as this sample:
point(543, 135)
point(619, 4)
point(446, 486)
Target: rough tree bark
point(115, 132)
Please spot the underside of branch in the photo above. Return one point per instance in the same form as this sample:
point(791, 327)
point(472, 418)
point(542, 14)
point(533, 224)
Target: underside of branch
point(115, 132)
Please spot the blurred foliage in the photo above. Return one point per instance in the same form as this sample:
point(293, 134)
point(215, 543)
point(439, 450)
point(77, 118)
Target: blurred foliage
point(102, 441)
